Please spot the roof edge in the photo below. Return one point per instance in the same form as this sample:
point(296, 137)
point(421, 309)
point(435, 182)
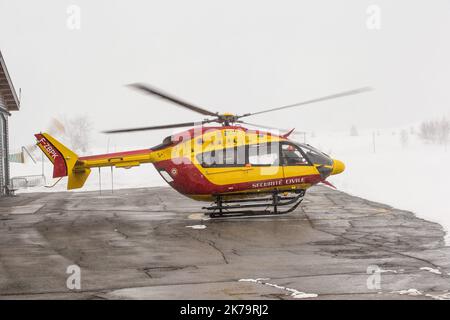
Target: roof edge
point(16, 102)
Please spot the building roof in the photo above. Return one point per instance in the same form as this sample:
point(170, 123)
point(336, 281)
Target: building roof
point(7, 88)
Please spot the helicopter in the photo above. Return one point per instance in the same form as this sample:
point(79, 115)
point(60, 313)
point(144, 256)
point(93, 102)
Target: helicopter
point(240, 171)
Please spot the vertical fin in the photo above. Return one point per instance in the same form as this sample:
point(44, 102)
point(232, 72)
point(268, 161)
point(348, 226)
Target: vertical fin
point(65, 161)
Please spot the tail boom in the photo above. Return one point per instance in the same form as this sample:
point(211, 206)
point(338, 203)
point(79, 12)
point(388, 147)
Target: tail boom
point(67, 163)
point(124, 159)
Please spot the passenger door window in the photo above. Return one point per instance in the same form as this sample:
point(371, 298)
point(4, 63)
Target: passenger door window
point(264, 154)
point(229, 157)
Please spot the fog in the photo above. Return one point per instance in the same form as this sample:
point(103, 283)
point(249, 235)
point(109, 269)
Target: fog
point(228, 56)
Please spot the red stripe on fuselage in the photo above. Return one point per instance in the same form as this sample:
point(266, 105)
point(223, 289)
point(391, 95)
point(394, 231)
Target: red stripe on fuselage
point(189, 180)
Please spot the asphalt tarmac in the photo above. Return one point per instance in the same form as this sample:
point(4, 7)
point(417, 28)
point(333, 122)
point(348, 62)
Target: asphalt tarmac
point(156, 244)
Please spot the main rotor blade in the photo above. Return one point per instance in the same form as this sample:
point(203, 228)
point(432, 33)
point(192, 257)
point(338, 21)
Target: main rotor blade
point(268, 127)
point(333, 96)
point(167, 126)
point(163, 95)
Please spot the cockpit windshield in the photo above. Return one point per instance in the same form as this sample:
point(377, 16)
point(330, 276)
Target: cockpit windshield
point(315, 156)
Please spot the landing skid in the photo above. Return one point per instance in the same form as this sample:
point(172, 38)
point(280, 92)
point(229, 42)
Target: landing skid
point(224, 207)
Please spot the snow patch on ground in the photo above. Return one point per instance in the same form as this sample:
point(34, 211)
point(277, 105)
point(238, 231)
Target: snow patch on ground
point(197, 227)
point(415, 292)
point(293, 292)
point(444, 296)
point(409, 292)
point(257, 280)
point(435, 271)
point(384, 271)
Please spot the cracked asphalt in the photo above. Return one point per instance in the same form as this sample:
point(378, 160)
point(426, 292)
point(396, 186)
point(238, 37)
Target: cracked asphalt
point(136, 244)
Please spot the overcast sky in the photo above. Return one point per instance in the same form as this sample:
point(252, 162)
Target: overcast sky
point(228, 56)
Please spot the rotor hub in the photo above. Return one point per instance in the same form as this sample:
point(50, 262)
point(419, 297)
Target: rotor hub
point(227, 118)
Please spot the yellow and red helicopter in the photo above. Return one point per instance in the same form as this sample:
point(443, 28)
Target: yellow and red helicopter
point(239, 170)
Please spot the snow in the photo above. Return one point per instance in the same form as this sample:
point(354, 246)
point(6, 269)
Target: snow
point(413, 177)
point(293, 292)
point(415, 292)
point(197, 227)
point(435, 271)
point(387, 270)
point(302, 295)
point(444, 296)
point(257, 280)
point(409, 292)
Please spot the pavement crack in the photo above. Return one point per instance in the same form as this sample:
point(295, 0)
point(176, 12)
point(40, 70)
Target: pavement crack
point(122, 233)
point(212, 244)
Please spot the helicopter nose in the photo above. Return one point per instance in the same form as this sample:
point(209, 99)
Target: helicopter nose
point(338, 167)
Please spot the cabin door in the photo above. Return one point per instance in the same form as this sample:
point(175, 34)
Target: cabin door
point(295, 165)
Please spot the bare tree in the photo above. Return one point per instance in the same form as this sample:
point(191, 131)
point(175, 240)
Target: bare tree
point(77, 132)
point(428, 130)
point(435, 131)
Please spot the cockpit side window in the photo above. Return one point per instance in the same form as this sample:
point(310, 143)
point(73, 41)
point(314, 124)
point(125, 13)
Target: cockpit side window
point(316, 156)
point(292, 155)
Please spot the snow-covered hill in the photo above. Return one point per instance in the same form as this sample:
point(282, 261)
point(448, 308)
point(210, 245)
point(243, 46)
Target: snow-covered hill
point(413, 177)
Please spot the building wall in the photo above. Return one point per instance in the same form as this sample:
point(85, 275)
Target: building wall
point(4, 163)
